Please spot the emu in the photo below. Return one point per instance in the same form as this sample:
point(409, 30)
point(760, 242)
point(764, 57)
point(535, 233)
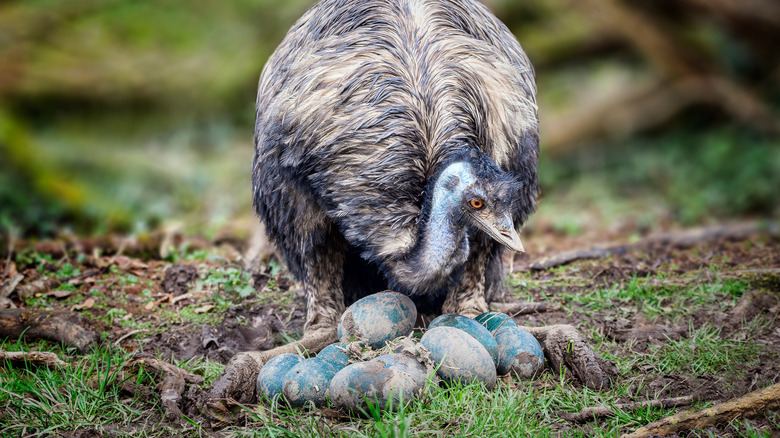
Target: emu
point(396, 146)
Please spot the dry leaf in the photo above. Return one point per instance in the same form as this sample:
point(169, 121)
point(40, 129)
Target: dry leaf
point(203, 309)
point(87, 304)
point(60, 293)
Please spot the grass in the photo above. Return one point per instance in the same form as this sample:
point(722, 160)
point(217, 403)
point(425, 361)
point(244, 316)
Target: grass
point(51, 402)
point(655, 298)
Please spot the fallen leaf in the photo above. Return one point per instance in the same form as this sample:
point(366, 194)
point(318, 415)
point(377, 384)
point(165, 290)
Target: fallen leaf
point(203, 309)
point(87, 304)
point(60, 293)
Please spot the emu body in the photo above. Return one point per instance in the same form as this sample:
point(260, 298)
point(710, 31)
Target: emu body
point(378, 121)
point(396, 146)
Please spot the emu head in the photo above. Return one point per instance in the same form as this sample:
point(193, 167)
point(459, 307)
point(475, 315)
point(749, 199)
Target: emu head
point(472, 191)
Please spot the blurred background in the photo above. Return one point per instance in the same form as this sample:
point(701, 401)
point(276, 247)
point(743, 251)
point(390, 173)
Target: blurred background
point(125, 116)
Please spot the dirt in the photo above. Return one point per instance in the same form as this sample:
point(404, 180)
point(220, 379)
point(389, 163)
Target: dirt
point(163, 306)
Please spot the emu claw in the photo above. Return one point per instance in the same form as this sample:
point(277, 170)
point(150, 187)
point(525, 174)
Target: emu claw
point(566, 348)
point(237, 383)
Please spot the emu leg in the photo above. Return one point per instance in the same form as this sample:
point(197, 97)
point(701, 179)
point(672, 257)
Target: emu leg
point(238, 380)
point(566, 348)
point(468, 297)
point(324, 305)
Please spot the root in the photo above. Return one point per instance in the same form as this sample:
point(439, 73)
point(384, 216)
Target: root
point(173, 381)
point(588, 414)
point(750, 405)
point(38, 324)
point(35, 358)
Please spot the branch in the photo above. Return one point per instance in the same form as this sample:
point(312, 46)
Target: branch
point(40, 324)
point(36, 358)
point(592, 413)
point(750, 405)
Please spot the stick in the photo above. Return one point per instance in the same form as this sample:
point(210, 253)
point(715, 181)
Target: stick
point(514, 309)
point(592, 413)
point(683, 239)
point(567, 257)
point(747, 406)
point(44, 358)
point(127, 335)
point(39, 324)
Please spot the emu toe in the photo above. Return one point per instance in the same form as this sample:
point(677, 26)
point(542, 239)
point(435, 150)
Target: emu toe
point(565, 347)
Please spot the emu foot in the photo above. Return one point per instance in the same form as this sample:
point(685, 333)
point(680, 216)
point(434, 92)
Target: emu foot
point(237, 383)
point(566, 348)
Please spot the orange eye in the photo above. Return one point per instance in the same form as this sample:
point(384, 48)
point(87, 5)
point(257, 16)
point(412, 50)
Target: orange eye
point(476, 203)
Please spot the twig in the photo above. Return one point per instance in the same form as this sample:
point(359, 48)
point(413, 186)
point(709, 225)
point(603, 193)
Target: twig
point(45, 358)
point(683, 239)
point(591, 413)
point(127, 335)
point(747, 406)
point(515, 309)
point(8, 286)
point(566, 257)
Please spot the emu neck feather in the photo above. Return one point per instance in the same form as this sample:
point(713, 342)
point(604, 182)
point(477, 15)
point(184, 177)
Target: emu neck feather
point(444, 245)
point(445, 233)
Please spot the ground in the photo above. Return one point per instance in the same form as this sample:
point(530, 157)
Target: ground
point(679, 318)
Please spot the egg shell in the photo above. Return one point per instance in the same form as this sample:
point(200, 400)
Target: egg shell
point(388, 377)
point(378, 318)
point(494, 320)
point(308, 382)
point(472, 327)
point(518, 352)
point(459, 356)
point(271, 377)
point(336, 353)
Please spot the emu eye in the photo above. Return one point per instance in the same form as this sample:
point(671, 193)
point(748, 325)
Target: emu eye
point(476, 203)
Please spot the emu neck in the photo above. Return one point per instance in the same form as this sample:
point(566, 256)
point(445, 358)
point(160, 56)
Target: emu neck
point(443, 243)
point(445, 231)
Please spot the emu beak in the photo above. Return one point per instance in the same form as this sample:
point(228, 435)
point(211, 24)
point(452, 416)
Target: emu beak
point(499, 227)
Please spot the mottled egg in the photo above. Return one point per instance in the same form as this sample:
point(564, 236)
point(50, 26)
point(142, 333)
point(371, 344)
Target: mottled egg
point(308, 381)
point(270, 379)
point(472, 327)
point(494, 320)
point(335, 353)
point(378, 318)
point(518, 352)
point(459, 356)
point(396, 377)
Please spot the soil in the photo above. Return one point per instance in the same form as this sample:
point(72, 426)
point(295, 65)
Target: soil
point(164, 306)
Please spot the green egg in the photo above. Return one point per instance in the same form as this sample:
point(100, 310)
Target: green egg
point(308, 381)
point(378, 319)
point(519, 352)
point(384, 381)
point(459, 356)
point(472, 327)
point(493, 320)
point(270, 379)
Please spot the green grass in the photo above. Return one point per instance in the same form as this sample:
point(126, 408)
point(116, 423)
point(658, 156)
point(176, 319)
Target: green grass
point(654, 298)
point(44, 402)
point(704, 351)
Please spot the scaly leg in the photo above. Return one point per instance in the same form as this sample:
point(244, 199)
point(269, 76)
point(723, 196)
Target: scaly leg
point(565, 347)
point(324, 306)
point(467, 298)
